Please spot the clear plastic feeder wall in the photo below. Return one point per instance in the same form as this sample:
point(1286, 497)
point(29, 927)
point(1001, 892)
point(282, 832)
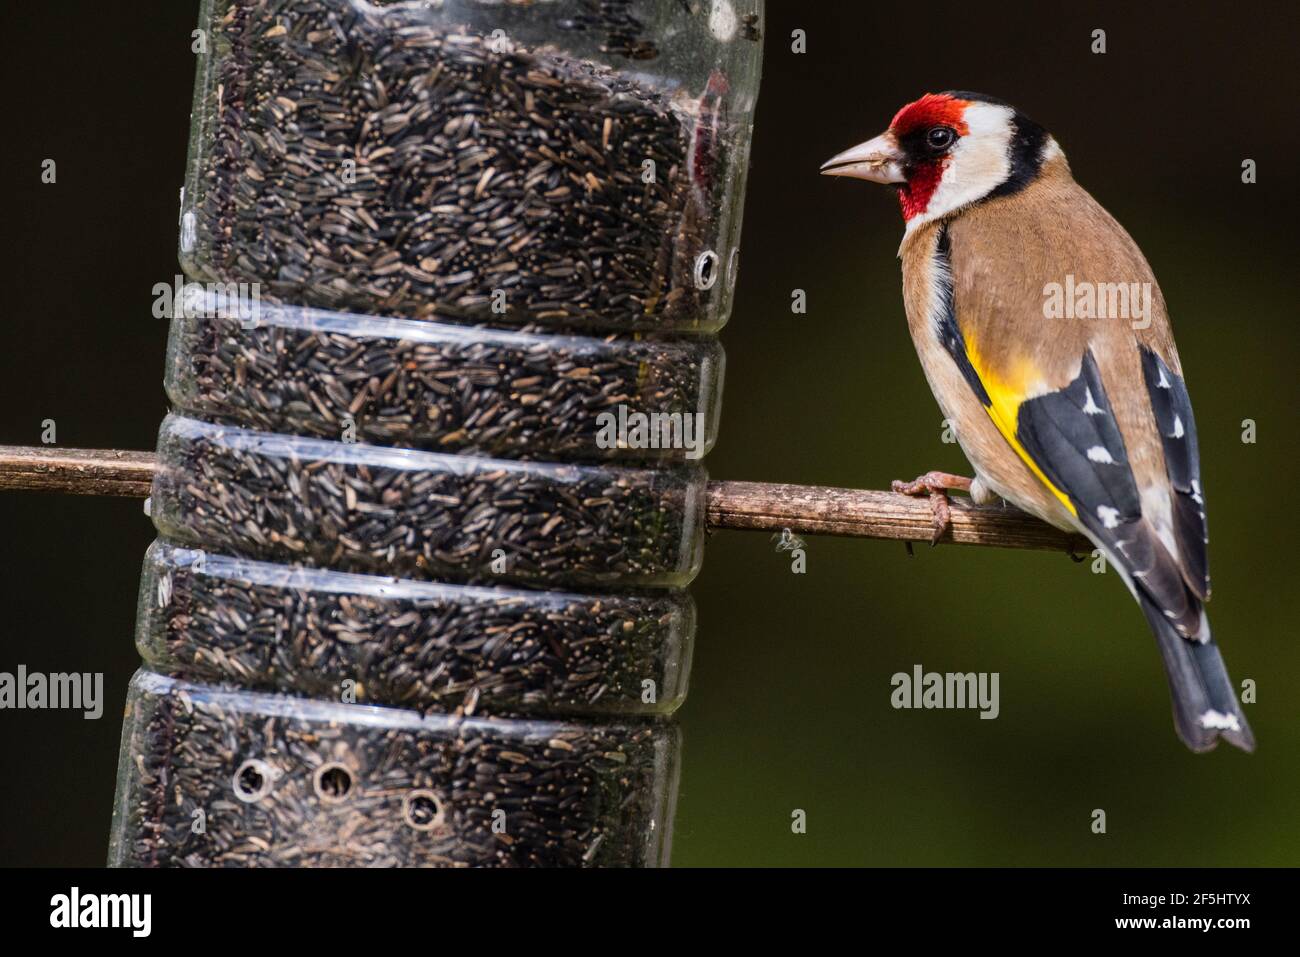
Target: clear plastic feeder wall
point(446, 388)
point(564, 162)
point(425, 515)
point(218, 778)
point(425, 646)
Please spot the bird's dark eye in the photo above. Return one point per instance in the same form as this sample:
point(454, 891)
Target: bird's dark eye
point(940, 137)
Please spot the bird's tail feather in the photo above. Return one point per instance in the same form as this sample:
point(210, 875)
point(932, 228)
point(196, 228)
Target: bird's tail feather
point(1205, 704)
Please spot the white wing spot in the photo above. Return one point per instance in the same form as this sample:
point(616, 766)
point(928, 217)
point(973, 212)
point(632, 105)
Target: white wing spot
point(1109, 516)
point(1099, 453)
point(1090, 406)
point(1164, 382)
point(1196, 492)
point(1178, 427)
point(1219, 721)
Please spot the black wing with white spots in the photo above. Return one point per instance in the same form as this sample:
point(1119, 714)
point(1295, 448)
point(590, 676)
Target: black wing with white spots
point(1173, 412)
point(1072, 436)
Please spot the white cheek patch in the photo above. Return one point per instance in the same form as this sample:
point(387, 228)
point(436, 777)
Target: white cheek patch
point(978, 163)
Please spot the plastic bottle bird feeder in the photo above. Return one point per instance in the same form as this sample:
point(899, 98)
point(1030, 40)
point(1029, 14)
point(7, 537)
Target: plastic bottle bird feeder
point(430, 494)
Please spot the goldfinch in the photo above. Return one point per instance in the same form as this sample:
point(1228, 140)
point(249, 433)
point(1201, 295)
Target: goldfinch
point(1045, 340)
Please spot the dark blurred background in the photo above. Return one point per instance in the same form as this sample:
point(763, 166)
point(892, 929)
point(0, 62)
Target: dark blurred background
point(789, 707)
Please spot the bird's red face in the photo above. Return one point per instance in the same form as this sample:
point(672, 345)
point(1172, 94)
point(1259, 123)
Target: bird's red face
point(926, 131)
point(947, 150)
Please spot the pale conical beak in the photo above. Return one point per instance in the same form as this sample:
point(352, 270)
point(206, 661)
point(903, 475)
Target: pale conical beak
point(879, 160)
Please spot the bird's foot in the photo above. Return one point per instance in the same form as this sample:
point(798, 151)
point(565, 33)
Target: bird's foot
point(936, 485)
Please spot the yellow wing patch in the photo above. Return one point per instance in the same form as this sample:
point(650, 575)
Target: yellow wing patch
point(1006, 393)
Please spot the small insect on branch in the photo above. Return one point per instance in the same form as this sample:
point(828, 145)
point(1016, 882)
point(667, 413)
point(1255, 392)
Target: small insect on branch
point(755, 506)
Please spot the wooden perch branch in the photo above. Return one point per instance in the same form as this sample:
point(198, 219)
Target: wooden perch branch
point(76, 471)
point(757, 506)
point(859, 513)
